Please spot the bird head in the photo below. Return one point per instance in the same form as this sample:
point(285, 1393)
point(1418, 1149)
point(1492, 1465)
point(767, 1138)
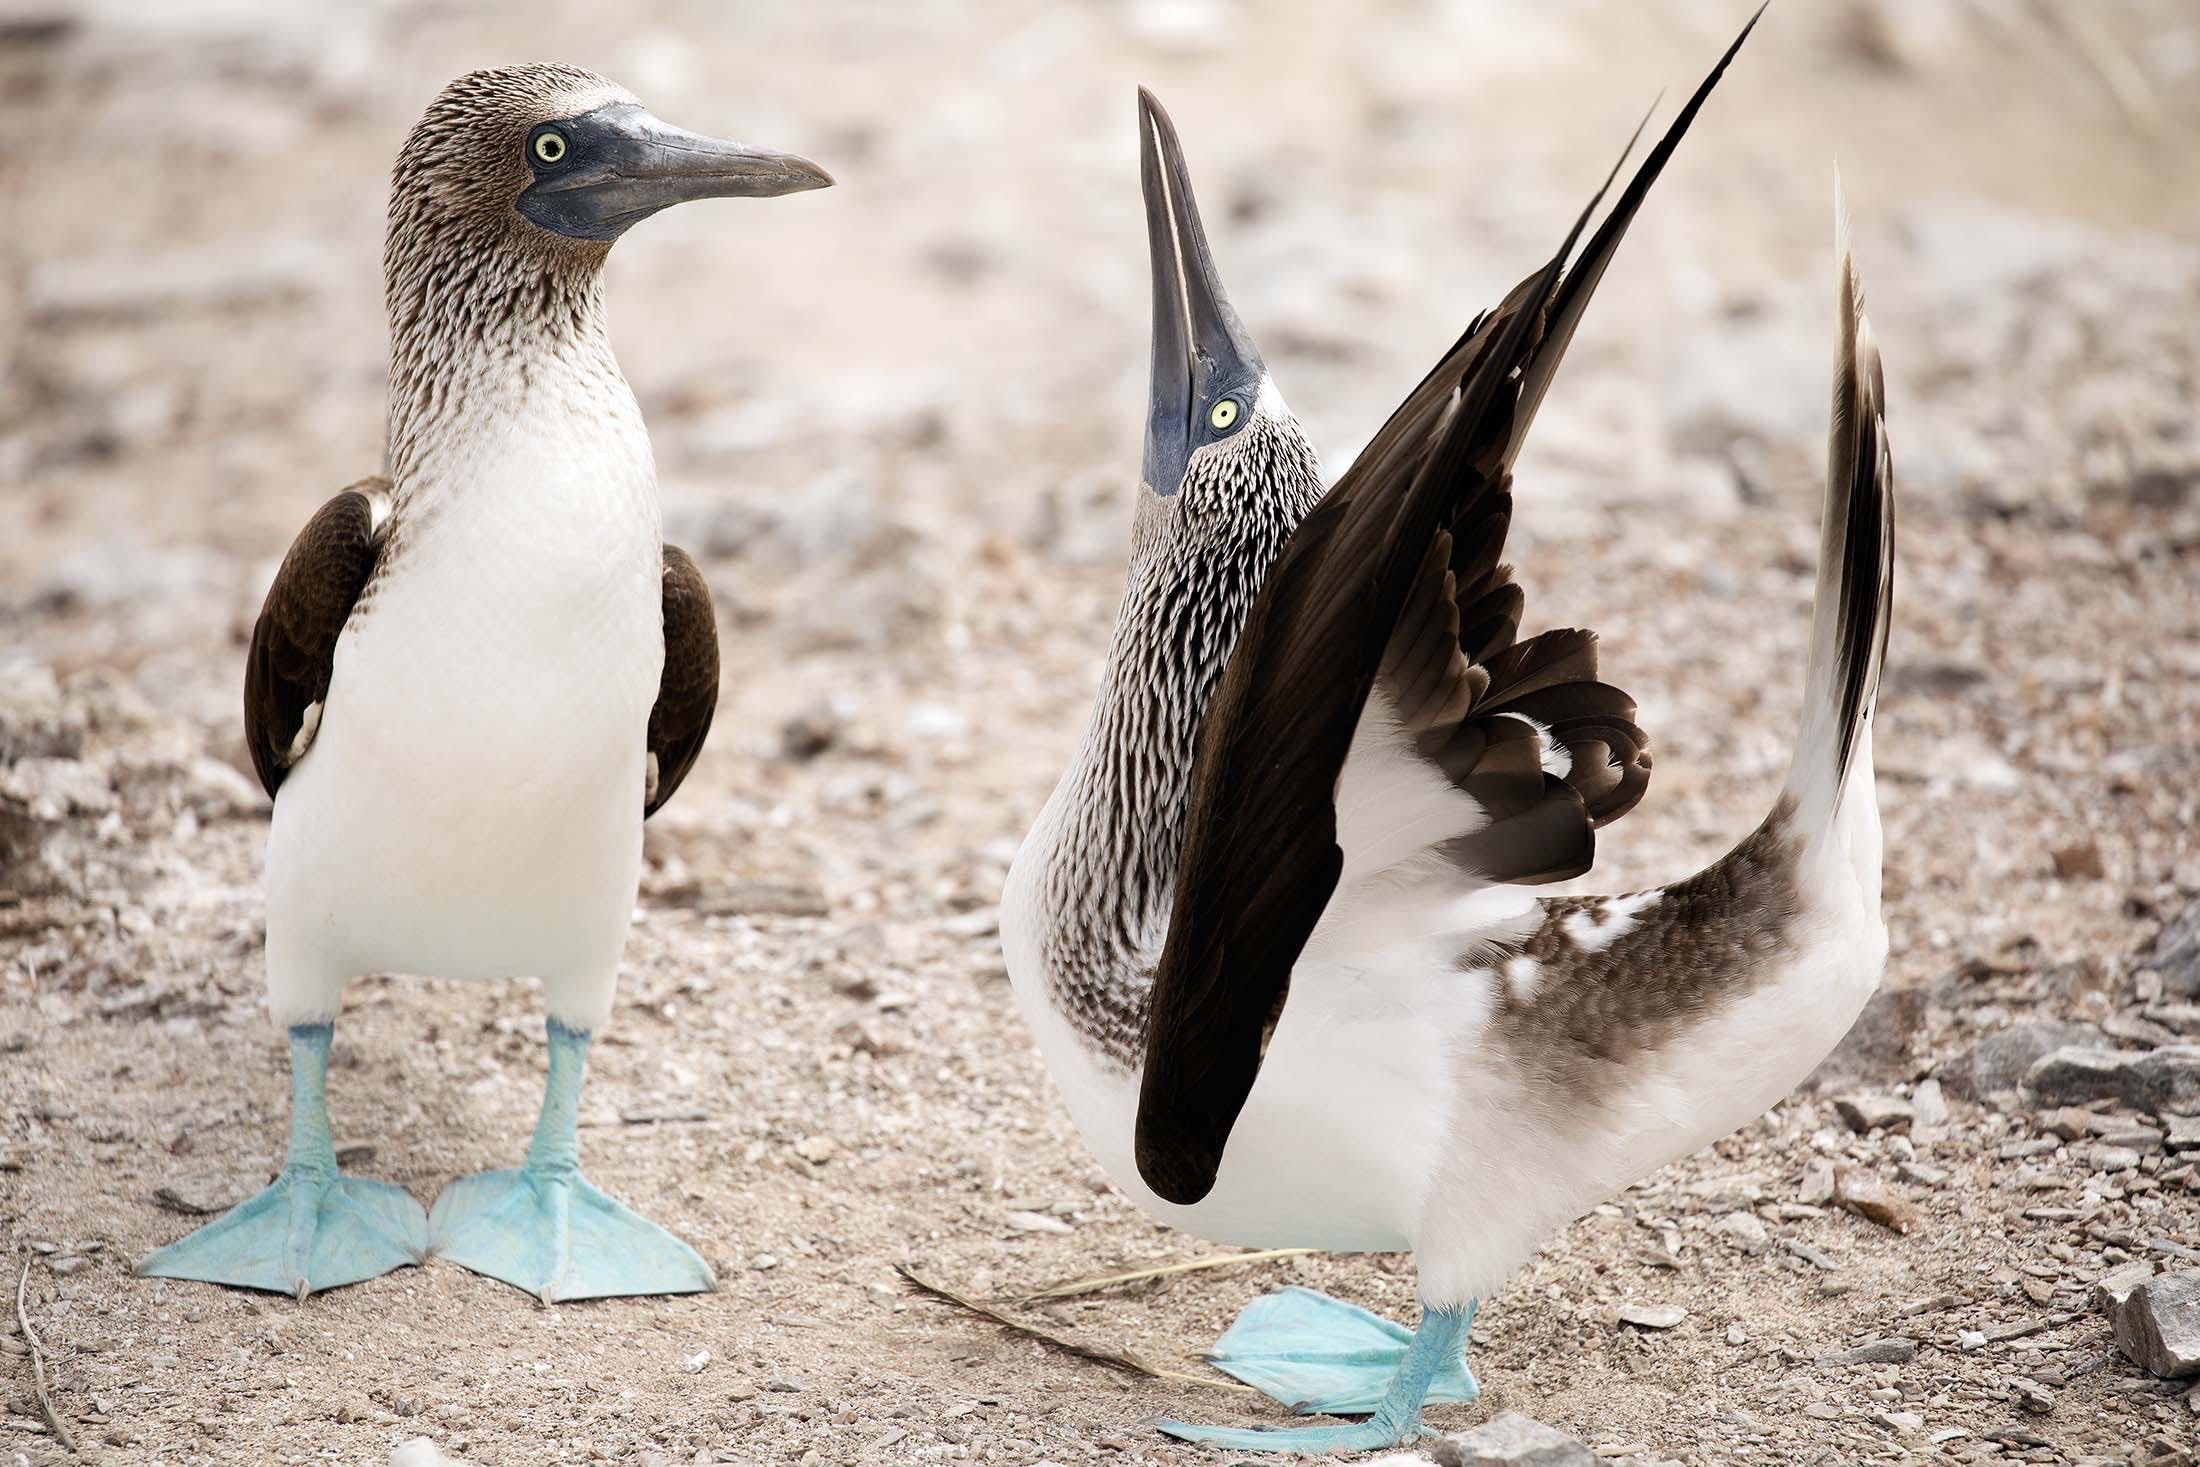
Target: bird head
point(1217, 431)
point(563, 160)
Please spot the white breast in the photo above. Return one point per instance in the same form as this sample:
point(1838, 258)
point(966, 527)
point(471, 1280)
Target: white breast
point(471, 806)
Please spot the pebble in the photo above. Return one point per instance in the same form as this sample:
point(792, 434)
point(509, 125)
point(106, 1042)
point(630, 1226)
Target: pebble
point(2176, 953)
point(1510, 1439)
point(1893, 1350)
point(68, 1264)
point(1864, 1113)
point(2157, 1325)
point(693, 1364)
point(1867, 1195)
point(1746, 1229)
point(1037, 1222)
point(2031, 1395)
point(1816, 1188)
point(817, 1150)
point(1652, 1316)
point(1930, 1105)
point(2183, 1132)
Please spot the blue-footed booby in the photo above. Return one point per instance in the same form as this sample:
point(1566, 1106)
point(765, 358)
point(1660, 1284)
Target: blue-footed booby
point(475, 676)
point(1277, 930)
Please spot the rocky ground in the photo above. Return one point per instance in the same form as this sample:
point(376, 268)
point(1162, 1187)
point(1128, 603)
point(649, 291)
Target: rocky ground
point(897, 423)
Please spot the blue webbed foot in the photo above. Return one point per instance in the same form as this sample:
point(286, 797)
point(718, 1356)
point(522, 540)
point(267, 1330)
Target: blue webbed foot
point(544, 1229)
point(1304, 1441)
point(313, 1228)
point(309, 1230)
point(1323, 1357)
point(558, 1237)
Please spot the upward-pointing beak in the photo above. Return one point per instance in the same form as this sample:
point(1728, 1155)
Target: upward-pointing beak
point(1200, 348)
point(623, 165)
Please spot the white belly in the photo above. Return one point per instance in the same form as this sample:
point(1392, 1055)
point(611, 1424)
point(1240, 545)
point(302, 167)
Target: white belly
point(471, 806)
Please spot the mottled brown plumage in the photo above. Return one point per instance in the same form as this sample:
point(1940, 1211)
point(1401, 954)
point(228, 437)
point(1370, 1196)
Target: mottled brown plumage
point(1260, 858)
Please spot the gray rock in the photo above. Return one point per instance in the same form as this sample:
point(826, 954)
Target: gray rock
point(2166, 1079)
point(1930, 1105)
point(1894, 1350)
point(1863, 1113)
point(2184, 1132)
point(2110, 1289)
point(1514, 1440)
point(1652, 1316)
point(2158, 1325)
point(2176, 953)
point(1878, 1049)
point(2000, 1061)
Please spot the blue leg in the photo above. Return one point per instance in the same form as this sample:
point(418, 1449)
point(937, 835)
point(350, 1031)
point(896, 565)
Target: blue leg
point(544, 1229)
point(313, 1228)
point(1321, 1356)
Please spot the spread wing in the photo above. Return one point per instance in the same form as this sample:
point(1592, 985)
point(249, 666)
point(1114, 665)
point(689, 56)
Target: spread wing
point(294, 641)
point(1390, 583)
point(687, 694)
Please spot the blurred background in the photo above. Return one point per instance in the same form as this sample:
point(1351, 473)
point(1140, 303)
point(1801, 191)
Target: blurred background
point(898, 423)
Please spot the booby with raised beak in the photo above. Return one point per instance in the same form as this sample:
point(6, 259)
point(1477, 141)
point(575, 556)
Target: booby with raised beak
point(1277, 930)
point(475, 676)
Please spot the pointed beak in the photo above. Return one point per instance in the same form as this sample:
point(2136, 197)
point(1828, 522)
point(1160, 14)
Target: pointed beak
point(1200, 348)
point(619, 165)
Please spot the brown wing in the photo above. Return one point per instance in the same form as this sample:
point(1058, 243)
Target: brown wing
point(286, 673)
point(687, 694)
point(1260, 858)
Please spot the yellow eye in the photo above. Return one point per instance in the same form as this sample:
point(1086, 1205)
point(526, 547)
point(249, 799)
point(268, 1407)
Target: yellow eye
point(1223, 415)
point(550, 147)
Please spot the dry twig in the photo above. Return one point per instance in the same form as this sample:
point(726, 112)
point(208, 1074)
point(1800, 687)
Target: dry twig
point(1118, 1359)
point(38, 1365)
point(1073, 1287)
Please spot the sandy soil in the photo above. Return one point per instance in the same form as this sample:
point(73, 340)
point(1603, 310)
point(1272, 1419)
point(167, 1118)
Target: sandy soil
point(898, 423)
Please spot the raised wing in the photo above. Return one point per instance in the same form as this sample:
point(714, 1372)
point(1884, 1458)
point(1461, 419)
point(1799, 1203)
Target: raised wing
point(286, 673)
point(1261, 858)
point(687, 693)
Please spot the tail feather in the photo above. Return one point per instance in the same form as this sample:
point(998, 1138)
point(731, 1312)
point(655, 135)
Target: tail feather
point(1855, 595)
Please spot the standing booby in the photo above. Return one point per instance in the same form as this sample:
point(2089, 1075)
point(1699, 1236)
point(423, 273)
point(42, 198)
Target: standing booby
point(474, 678)
point(1276, 930)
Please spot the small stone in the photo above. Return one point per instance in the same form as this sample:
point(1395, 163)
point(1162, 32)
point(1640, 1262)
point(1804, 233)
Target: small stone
point(1864, 1113)
point(2111, 1287)
point(2069, 1122)
point(1512, 1440)
point(1037, 1222)
point(1930, 1104)
point(1880, 1047)
point(2112, 1159)
point(811, 732)
point(693, 1364)
point(2080, 862)
point(1747, 1230)
point(2031, 1395)
point(786, 1383)
point(817, 1150)
point(1652, 1316)
point(1867, 1195)
point(2157, 1325)
point(2183, 1132)
point(2176, 953)
point(1922, 1174)
point(1906, 1422)
point(1893, 1350)
point(764, 1261)
point(1816, 1188)
point(1736, 1335)
point(68, 1264)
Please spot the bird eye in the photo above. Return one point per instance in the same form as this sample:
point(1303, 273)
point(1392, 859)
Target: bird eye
point(550, 148)
point(1223, 415)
